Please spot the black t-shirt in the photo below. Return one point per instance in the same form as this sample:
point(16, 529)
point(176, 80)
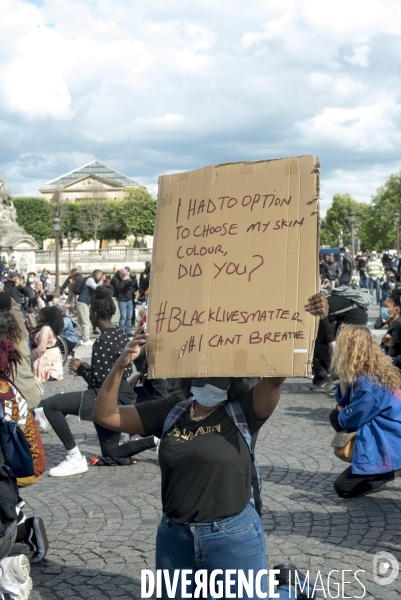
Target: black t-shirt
point(206, 465)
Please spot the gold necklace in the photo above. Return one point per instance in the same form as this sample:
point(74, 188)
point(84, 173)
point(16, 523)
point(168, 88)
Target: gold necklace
point(192, 413)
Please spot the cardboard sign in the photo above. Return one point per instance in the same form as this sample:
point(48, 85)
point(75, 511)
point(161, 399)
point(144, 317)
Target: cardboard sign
point(234, 261)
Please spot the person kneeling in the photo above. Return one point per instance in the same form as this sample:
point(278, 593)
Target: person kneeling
point(368, 403)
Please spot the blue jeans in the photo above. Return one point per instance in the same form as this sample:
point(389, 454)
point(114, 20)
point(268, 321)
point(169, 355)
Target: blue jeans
point(126, 310)
point(374, 284)
point(363, 282)
point(236, 543)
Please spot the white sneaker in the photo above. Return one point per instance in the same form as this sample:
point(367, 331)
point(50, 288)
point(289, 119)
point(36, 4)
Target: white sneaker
point(88, 343)
point(15, 579)
point(42, 420)
point(69, 466)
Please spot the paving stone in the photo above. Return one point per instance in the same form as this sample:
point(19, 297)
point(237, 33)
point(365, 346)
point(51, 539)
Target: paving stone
point(102, 524)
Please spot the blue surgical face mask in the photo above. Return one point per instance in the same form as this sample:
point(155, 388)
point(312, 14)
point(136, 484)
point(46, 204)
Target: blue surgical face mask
point(209, 395)
point(385, 315)
point(391, 284)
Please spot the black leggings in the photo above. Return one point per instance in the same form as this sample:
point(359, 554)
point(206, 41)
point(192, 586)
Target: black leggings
point(348, 485)
point(68, 404)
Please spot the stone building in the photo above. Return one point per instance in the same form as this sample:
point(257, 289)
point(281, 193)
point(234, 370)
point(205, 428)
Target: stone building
point(89, 182)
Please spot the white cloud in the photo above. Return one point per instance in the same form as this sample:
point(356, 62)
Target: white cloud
point(360, 56)
point(170, 85)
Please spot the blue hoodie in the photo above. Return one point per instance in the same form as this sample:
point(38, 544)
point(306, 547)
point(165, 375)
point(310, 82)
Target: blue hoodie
point(375, 414)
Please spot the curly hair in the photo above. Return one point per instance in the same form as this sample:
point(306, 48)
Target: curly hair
point(238, 387)
point(9, 329)
point(102, 302)
point(53, 317)
point(357, 353)
point(9, 358)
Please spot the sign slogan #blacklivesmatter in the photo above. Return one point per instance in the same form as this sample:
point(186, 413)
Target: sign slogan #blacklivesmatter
point(235, 259)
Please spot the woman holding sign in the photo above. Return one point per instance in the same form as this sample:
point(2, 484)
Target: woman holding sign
point(210, 488)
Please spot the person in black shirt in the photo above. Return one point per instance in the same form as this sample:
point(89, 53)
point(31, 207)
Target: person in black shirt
point(391, 314)
point(323, 268)
point(13, 288)
point(125, 288)
point(144, 282)
point(334, 270)
point(343, 310)
point(68, 281)
point(347, 267)
point(206, 465)
point(361, 267)
point(106, 349)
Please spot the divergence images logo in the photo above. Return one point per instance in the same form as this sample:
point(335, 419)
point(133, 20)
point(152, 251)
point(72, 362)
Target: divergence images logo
point(385, 568)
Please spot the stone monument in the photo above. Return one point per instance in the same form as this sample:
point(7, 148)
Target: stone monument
point(16, 245)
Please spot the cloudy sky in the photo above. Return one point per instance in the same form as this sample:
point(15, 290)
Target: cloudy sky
point(159, 86)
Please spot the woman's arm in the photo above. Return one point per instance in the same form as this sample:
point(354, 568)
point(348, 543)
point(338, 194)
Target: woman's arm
point(266, 395)
point(106, 411)
point(363, 408)
point(41, 338)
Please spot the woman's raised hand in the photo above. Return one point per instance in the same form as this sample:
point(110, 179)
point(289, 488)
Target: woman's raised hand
point(133, 348)
point(318, 305)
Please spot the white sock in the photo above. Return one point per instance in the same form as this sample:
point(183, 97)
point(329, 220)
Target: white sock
point(75, 453)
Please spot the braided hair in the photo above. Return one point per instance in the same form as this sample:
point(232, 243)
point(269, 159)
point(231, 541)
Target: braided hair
point(102, 302)
point(9, 358)
point(9, 329)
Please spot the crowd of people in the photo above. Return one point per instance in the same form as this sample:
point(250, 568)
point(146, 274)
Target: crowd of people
point(375, 272)
point(210, 486)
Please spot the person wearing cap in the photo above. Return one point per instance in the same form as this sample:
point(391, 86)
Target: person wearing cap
point(375, 273)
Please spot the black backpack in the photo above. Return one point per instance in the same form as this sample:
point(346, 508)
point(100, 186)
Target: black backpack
point(76, 288)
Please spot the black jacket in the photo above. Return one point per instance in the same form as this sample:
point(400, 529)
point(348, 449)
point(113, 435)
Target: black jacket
point(352, 316)
point(395, 331)
point(124, 290)
point(8, 492)
point(14, 291)
point(144, 280)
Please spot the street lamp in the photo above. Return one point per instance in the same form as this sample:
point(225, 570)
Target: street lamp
point(56, 227)
point(68, 240)
point(397, 229)
point(358, 239)
point(351, 217)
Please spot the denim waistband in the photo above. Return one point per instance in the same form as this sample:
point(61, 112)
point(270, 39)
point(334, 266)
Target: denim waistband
point(249, 509)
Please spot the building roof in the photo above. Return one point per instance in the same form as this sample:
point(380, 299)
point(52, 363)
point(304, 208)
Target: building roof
point(92, 168)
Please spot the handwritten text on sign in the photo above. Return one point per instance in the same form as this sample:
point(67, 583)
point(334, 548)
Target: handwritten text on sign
point(197, 233)
point(233, 266)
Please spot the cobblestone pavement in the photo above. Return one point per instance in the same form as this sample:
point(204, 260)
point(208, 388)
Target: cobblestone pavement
point(102, 524)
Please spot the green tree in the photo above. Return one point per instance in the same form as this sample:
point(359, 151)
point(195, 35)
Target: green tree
point(35, 215)
point(138, 212)
point(381, 231)
point(337, 219)
point(113, 226)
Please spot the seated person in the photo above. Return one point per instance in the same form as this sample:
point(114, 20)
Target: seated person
point(68, 332)
point(47, 360)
